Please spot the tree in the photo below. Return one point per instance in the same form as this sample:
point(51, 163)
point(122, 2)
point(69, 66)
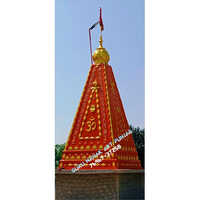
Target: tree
point(138, 136)
point(58, 153)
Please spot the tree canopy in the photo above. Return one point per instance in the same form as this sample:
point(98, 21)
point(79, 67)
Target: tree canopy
point(58, 153)
point(139, 139)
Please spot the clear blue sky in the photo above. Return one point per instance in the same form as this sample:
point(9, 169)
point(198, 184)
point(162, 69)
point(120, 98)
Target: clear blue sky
point(123, 37)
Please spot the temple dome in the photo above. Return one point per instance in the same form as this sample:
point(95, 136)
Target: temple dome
point(101, 56)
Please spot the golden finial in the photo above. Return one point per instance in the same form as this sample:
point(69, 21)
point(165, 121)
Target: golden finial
point(100, 55)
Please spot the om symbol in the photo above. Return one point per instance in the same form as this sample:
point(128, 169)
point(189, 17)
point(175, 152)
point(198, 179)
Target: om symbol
point(91, 124)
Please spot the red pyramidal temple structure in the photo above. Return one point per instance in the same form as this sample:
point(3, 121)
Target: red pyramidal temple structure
point(99, 123)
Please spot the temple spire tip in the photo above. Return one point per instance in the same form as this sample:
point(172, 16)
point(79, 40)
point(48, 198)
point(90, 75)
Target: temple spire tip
point(101, 41)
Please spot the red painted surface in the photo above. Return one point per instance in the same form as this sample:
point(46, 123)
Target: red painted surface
point(100, 119)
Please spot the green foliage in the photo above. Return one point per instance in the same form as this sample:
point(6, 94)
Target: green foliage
point(58, 153)
point(138, 136)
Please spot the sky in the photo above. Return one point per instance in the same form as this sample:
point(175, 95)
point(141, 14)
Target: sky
point(123, 37)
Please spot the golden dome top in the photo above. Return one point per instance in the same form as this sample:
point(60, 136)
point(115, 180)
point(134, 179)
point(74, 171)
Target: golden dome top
point(100, 55)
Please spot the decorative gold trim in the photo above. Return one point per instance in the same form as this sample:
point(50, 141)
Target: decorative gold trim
point(63, 156)
point(61, 164)
point(78, 157)
point(82, 147)
point(92, 108)
point(108, 102)
point(81, 99)
point(94, 91)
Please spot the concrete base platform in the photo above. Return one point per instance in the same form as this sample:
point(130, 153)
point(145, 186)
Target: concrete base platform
point(120, 184)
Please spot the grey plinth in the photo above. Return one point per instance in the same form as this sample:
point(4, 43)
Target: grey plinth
point(121, 184)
